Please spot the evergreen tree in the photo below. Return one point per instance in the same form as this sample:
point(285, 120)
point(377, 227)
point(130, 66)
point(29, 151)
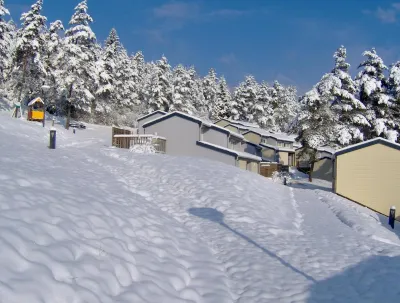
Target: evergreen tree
point(126, 77)
point(244, 98)
point(349, 110)
point(183, 90)
point(197, 99)
point(373, 92)
point(394, 90)
point(107, 92)
point(262, 111)
point(29, 72)
point(80, 71)
point(4, 42)
point(159, 90)
point(221, 108)
point(284, 105)
point(54, 60)
point(210, 90)
point(139, 76)
point(316, 120)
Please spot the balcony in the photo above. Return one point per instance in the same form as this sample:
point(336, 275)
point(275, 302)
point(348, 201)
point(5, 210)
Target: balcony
point(123, 138)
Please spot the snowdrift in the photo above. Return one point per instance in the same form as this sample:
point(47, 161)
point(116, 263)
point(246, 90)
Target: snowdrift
point(90, 223)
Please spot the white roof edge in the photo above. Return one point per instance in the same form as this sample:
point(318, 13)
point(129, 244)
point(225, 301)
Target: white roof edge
point(366, 142)
point(38, 99)
point(152, 113)
point(238, 153)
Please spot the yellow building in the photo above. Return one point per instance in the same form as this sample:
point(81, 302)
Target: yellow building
point(369, 174)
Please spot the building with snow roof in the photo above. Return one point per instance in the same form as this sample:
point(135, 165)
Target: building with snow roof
point(369, 174)
point(187, 135)
point(148, 117)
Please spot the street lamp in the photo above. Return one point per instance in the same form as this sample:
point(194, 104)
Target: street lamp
point(45, 89)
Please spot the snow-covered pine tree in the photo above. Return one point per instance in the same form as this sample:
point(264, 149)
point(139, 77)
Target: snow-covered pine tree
point(349, 110)
point(182, 91)
point(29, 72)
point(262, 111)
point(107, 92)
point(245, 96)
point(80, 72)
point(221, 108)
point(4, 42)
point(373, 91)
point(127, 87)
point(285, 106)
point(394, 90)
point(210, 89)
point(316, 120)
point(197, 95)
point(159, 89)
point(139, 75)
point(54, 60)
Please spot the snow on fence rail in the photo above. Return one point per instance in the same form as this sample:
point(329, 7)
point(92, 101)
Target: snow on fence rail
point(123, 138)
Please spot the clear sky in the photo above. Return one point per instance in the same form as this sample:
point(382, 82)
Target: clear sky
point(289, 40)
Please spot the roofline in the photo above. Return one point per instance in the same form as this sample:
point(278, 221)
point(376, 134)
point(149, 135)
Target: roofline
point(226, 119)
point(252, 131)
point(215, 148)
point(269, 146)
point(279, 139)
point(367, 144)
point(254, 144)
point(227, 151)
point(169, 115)
point(150, 114)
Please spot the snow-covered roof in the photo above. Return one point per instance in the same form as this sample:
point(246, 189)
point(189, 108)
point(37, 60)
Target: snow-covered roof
point(327, 149)
point(195, 119)
point(231, 151)
point(237, 126)
point(366, 144)
point(282, 136)
point(152, 113)
point(38, 99)
point(232, 133)
point(278, 148)
point(245, 124)
point(278, 136)
point(241, 123)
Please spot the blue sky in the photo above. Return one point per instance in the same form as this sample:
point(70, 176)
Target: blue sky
point(291, 40)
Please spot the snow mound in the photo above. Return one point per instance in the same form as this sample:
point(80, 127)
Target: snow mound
point(70, 233)
point(91, 223)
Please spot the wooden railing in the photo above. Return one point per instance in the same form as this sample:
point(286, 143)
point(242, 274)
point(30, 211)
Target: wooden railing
point(129, 141)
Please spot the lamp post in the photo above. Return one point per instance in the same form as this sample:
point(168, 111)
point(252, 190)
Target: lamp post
point(45, 89)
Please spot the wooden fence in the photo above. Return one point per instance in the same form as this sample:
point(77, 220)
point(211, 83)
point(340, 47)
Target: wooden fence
point(125, 138)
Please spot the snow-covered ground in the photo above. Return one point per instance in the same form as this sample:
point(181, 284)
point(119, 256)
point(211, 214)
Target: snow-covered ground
point(91, 223)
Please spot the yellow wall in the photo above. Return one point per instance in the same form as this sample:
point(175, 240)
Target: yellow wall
point(268, 153)
point(37, 115)
point(253, 138)
point(370, 176)
point(253, 167)
point(243, 164)
point(284, 158)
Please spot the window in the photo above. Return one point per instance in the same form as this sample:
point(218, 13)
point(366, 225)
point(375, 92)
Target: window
point(287, 145)
point(281, 144)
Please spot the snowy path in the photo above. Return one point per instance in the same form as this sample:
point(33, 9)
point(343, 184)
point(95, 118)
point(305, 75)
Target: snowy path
point(256, 249)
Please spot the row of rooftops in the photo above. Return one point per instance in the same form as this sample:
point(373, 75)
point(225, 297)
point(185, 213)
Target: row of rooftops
point(251, 127)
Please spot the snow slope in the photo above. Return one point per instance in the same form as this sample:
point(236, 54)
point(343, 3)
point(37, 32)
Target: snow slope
point(90, 223)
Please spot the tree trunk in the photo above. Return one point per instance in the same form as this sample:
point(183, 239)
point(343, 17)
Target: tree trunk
point(69, 108)
point(23, 81)
point(311, 171)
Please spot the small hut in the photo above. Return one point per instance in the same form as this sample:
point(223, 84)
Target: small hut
point(36, 110)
